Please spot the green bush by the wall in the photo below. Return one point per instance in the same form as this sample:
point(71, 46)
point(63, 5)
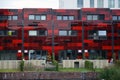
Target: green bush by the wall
point(22, 65)
point(88, 65)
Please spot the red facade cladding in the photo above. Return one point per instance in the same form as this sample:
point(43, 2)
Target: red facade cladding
point(84, 40)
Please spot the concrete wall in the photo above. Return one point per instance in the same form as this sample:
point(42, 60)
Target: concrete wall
point(96, 63)
point(14, 64)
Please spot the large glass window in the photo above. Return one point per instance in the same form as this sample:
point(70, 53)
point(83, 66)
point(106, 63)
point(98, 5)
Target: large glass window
point(33, 33)
point(91, 3)
point(100, 3)
point(8, 55)
point(111, 3)
point(31, 17)
point(97, 54)
point(79, 3)
point(63, 33)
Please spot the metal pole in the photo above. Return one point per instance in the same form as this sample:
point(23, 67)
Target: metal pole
point(23, 34)
point(53, 55)
point(82, 36)
point(112, 27)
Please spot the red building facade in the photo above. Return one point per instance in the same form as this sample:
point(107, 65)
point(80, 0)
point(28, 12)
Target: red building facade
point(92, 33)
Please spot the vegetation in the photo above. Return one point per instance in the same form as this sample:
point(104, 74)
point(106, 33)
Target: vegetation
point(78, 70)
point(88, 65)
point(9, 70)
point(111, 73)
point(22, 65)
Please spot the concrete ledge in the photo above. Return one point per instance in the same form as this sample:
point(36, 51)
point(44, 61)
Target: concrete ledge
point(96, 63)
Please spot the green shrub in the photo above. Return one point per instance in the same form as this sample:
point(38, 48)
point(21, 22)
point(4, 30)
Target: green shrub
point(111, 73)
point(22, 65)
point(117, 63)
point(88, 65)
point(56, 65)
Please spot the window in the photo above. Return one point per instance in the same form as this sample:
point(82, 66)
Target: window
point(95, 17)
point(1, 33)
point(68, 33)
point(37, 33)
point(115, 18)
point(89, 17)
point(65, 17)
point(63, 33)
point(97, 34)
point(71, 17)
point(31, 17)
point(9, 18)
point(102, 33)
point(72, 33)
point(43, 17)
point(3, 17)
point(97, 54)
point(11, 33)
point(111, 3)
point(15, 17)
point(59, 17)
point(8, 32)
point(119, 32)
point(100, 3)
point(37, 17)
point(33, 33)
point(79, 3)
point(42, 32)
point(101, 17)
point(119, 3)
point(91, 3)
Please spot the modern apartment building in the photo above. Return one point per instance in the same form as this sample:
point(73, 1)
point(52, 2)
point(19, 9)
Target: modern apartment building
point(77, 4)
point(92, 33)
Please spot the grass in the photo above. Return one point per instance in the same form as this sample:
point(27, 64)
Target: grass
point(9, 70)
point(78, 70)
point(60, 70)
